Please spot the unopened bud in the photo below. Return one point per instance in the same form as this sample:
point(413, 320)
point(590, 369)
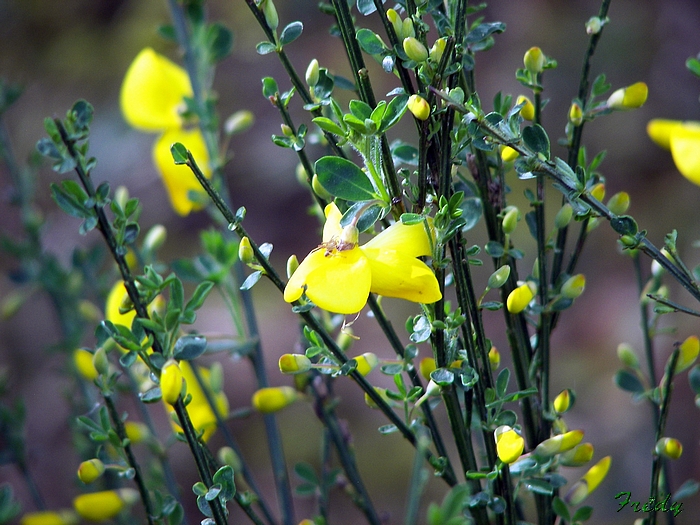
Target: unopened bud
point(294, 363)
point(669, 448)
point(494, 358)
point(619, 203)
point(382, 394)
point(564, 401)
point(519, 298)
point(573, 286)
point(414, 49)
point(438, 49)
point(396, 22)
point(576, 114)
point(508, 154)
point(345, 339)
point(136, 432)
point(509, 444)
point(630, 97)
point(563, 216)
point(626, 355)
point(558, 444)
point(598, 191)
point(171, 382)
point(245, 251)
point(687, 353)
point(100, 361)
point(312, 73)
point(90, 470)
point(426, 367)
point(510, 219)
point(419, 107)
point(83, 361)
point(577, 456)
point(594, 25)
point(319, 189)
point(270, 12)
point(271, 399)
point(534, 60)
point(499, 277)
point(366, 363)
point(239, 122)
point(228, 456)
point(589, 482)
point(292, 265)
point(528, 109)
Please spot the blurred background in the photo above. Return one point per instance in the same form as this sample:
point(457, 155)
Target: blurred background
point(62, 51)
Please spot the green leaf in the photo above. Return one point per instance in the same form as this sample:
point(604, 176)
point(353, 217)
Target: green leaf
point(366, 7)
point(624, 225)
point(307, 473)
point(189, 347)
point(482, 31)
point(502, 382)
point(560, 508)
point(538, 486)
point(370, 42)
point(689, 488)
point(47, 148)
point(328, 125)
point(270, 88)
point(628, 381)
point(583, 514)
point(693, 65)
point(199, 295)
point(291, 32)
point(68, 203)
point(361, 110)
point(225, 478)
point(179, 153)
point(151, 396)
point(220, 42)
point(265, 48)
point(342, 178)
point(387, 429)
point(82, 112)
point(694, 379)
point(251, 280)
point(394, 111)
point(442, 376)
point(535, 138)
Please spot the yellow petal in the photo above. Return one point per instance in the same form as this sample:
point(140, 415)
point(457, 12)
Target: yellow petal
point(338, 282)
point(395, 274)
point(659, 130)
point(411, 240)
point(116, 297)
point(98, 506)
point(685, 148)
point(153, 91)
point(332, 227)
point(179, 180)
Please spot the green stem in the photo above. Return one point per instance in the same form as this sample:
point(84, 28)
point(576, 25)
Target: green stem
point(131, 459)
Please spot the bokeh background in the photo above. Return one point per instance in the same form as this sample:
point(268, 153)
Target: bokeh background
point(63, 51)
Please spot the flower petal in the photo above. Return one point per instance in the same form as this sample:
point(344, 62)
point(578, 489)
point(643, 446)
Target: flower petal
point(685, 148)
point(152, 92)
point(179, 179)
point(332, 227)
point(338, 282)
point(395, 274)
point(411, 240)
point(659, 130)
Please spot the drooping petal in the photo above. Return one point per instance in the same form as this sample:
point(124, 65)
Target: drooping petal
point(411, 240)
point(338, 282)
point(395, 274)
point(685, 148)
point(153, 91)
point(179, 179)
point(332, 227)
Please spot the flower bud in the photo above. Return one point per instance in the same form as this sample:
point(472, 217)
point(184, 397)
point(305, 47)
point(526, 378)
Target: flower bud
point(508, 154)
point(510, 219)
point(577, 456)
point(407, 29)
point(619, 203)
point(11, 304)
point(155, 238)
point(519, 298)
point(534, 60)
point(589, 482)
point(136, 432)
point(89, 311)
point(270, 12)
point(558, 444)
point(366, 363)
point(271, 399)
point(563, 216)
point(171, 381)
point(499, 277)
point(630, 97)
point(494, 358)
point(50, 517)
point(102, 506)
point(438, 49)
point(396, 22)
point(121, 195)
point(528, 110)
point(245, 251)
point(669, 448)
point(426, 367)
point(100, 361)
point(509, 444)
point(594, 25)
point(319, 189)
point(82, 359)
point(687, 353)
point(419, 107)
point(414, 49)
point(239, 122)
point(312, 73)
point(90, 470)
point(626, 355)
point(292, 265)
point(294, 364)
point(576, 114)
point(228, 456)
point(573, 286)
point(598, 191)
point(345, 339)
point(564, 401)
point(382, 393)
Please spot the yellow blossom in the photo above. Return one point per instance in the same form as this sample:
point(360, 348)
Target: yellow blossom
point(630, 97)
point(90, 470)
point(101, 506)
point(49, 517)
point(528, 109)
point(589, 482)
point(171, 382)
point(136, 432)
point(426, 366)
point(419, 107)
point(366, 363)
point(687, 353)
point(339, 275)
point(494, 358)
point(562, 403)
point(294, 363)
point(508, 154)
point(509, 444)
point(519, 298)
point(558, 444)
point(82, 359)
point(272, 399)
point(200, 412)
point(669, 448)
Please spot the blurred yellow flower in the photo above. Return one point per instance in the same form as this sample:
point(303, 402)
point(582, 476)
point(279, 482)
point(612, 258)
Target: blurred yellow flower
point(152, 97)
point(589, 482)
point(49, 517)
point(200, 412)
point(90, 470)
point(339, 275)
point(101, 506)
point(82, 359)
point(683, 140)
point(271, 399)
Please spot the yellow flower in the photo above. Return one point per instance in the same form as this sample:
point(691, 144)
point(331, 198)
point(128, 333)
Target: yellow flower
point(508, 154)
point(200, 412)
point(419, 107)
point(171, 382)
point(153, 91)
point(557, 444)
point(294, 363)
point(528, 110)
point(577, 456)
point(339, 275)
point(562, 403)
point(366, 363)
point(152, 97)
point(494, 358)
point(136, 432)
point(630, 97)
point(49, 517)
point(101, 506)
point(688, 353)
point(519, 298)
point(589, 482)
point(272, 399)
point(82, 359)
point(90, 470)
point(669, 448)
point(509, 444)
